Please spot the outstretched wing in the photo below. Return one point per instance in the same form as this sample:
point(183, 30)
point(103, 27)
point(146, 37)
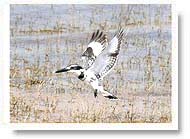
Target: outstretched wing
point(106, 60)
point(97, 44)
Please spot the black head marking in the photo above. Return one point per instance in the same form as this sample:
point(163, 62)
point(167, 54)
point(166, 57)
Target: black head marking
point(88, 52)
point(76, 67)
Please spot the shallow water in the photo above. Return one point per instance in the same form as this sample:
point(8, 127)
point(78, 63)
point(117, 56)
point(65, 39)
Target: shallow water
point(145, 56)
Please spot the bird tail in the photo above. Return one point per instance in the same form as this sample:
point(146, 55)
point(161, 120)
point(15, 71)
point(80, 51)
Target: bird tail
point(99, 88)
point(108, 95)
point(105, 93)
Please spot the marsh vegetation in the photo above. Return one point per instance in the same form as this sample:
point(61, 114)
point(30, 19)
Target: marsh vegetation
point(44, 38)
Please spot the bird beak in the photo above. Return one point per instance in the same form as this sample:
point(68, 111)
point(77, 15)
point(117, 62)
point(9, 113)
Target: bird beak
point(62, 70)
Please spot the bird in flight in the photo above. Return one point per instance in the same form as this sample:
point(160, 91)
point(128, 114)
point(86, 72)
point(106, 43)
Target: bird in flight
point(101, 57)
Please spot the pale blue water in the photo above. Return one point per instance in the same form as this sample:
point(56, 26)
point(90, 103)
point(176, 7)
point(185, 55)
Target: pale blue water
point(66, 48)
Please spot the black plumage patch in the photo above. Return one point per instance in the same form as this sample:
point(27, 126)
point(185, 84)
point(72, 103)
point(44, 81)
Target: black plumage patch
point(81, 76)
point(95, 93)
point(114, 54)
point(111, 97)
point(97, 76)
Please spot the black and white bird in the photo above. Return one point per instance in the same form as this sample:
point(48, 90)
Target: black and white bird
point(101, 56)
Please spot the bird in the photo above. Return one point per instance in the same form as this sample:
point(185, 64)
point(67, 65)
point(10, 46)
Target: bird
point(101, 57)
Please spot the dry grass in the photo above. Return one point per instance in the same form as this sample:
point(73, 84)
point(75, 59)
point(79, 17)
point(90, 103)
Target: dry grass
point(84, 108)
point(142, 79)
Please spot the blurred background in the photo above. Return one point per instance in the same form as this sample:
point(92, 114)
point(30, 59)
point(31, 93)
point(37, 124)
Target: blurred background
point(44, 38)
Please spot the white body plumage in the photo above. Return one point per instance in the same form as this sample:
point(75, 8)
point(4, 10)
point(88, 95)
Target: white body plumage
point(101, 57)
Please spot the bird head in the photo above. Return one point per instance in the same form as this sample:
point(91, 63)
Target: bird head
point(71, 68)
point(88, 53)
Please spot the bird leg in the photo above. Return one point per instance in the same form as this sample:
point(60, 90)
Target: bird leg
point(95, 93)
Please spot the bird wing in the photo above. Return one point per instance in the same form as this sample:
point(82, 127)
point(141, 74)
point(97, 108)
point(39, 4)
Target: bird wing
point(97, 44)
point(107, 59)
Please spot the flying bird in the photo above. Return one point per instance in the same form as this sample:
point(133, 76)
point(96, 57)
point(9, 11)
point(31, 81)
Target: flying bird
point(101, 57)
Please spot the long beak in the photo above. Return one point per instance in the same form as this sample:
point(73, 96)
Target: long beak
point(62, 70)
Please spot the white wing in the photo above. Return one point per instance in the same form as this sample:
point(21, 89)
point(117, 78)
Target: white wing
point(107, 59)
point(98, 43)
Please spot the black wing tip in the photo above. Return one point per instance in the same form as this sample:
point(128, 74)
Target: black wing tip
point(120, 33)
point(111, 97)
point(99, 36)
